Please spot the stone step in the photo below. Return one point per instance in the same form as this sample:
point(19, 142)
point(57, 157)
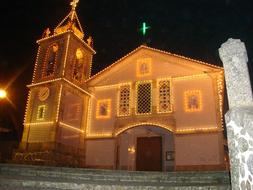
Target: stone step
point(28, 177)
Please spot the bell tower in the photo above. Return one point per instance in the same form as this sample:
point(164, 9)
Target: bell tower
point(56, 111)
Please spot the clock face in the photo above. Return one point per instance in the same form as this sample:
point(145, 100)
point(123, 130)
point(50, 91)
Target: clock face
point(43, 93)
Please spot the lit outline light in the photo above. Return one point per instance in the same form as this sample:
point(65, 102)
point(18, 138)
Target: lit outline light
point(107, 102)
point(167, 127)
point(27, 107)
point(58, 104)
point(66, 55)
point(39, 123)
point(70, 127)
point(196, 93)
point(158, 94)
point(220, 85)
point(58, 79)
point(119, 98)
point(136, 96)
point(88, 133)
point(36, 64)
point(196, 130)
point(194, 61)
point(148, 63)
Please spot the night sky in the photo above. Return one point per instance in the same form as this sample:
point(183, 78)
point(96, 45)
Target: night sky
point(192, 28)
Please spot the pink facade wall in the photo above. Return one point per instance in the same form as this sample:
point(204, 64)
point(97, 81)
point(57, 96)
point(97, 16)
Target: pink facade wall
point(100, 153)
point(198, 149)
point(197, 119)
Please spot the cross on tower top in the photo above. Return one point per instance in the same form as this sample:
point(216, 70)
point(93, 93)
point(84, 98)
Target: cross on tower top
point(74, 4)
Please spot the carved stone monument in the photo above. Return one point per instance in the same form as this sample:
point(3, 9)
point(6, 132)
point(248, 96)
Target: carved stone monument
point(239, 118)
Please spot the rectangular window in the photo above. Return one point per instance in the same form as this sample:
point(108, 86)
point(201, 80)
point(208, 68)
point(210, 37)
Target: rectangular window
point(41, 112)
point(192, 100)
point(103, 110)
point(164, 96)
point(124, 100)
point(144, 98)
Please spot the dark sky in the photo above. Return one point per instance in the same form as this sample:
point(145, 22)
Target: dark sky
point(192, 28)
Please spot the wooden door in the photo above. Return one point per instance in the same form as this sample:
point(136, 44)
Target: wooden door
point(149, 154)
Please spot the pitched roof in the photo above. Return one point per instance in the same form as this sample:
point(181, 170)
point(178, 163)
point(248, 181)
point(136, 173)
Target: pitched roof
point(156, 50)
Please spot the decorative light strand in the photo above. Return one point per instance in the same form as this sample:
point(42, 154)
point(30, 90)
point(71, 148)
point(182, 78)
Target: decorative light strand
point(58, 104)
point(61, 124)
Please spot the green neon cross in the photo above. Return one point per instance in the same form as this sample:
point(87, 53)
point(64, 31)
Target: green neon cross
point(144, 28)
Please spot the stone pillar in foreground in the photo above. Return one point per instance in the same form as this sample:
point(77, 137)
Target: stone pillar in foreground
point(239, 118)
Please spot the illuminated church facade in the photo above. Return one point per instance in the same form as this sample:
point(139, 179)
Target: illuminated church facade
point(150, 110)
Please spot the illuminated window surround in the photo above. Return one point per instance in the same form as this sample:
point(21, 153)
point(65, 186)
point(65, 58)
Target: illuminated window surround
point(170, 95)
point(136, 96)
point(187, 95)
point(41, 115)
point(128, 112)
point(144, 61)
point(106, 102)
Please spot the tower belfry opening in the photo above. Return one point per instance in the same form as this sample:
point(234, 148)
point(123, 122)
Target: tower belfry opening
point(71, 22)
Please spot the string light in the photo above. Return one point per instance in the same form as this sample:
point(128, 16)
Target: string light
point(61, 124)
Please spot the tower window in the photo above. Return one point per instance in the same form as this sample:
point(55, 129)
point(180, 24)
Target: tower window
point(41, 112)
point(144, 98)
point(78, 69)
point(124, 101)
point(50, 60)
point(164, 93)
point(192, 100)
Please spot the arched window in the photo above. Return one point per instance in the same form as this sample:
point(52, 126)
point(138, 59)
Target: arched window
point(50, 60)
point(78, 69)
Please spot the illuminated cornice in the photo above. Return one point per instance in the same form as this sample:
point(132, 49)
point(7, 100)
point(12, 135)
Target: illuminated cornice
point(67, 126)
point(60, 79)
point(40, 123)
point(44, 82)
point(70, 32)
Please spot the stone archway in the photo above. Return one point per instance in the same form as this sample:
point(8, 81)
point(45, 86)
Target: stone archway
point(133, 146)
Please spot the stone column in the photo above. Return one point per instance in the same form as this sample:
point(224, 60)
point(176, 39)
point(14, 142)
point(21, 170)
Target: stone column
point(239, 118)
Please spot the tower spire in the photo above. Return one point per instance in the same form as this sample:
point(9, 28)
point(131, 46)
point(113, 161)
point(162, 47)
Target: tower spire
point(74, 4)
point(71, 22)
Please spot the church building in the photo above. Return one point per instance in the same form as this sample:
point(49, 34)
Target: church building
point(148, 111)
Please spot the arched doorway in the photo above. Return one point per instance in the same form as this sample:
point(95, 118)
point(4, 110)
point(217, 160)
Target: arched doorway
point(145, 148)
